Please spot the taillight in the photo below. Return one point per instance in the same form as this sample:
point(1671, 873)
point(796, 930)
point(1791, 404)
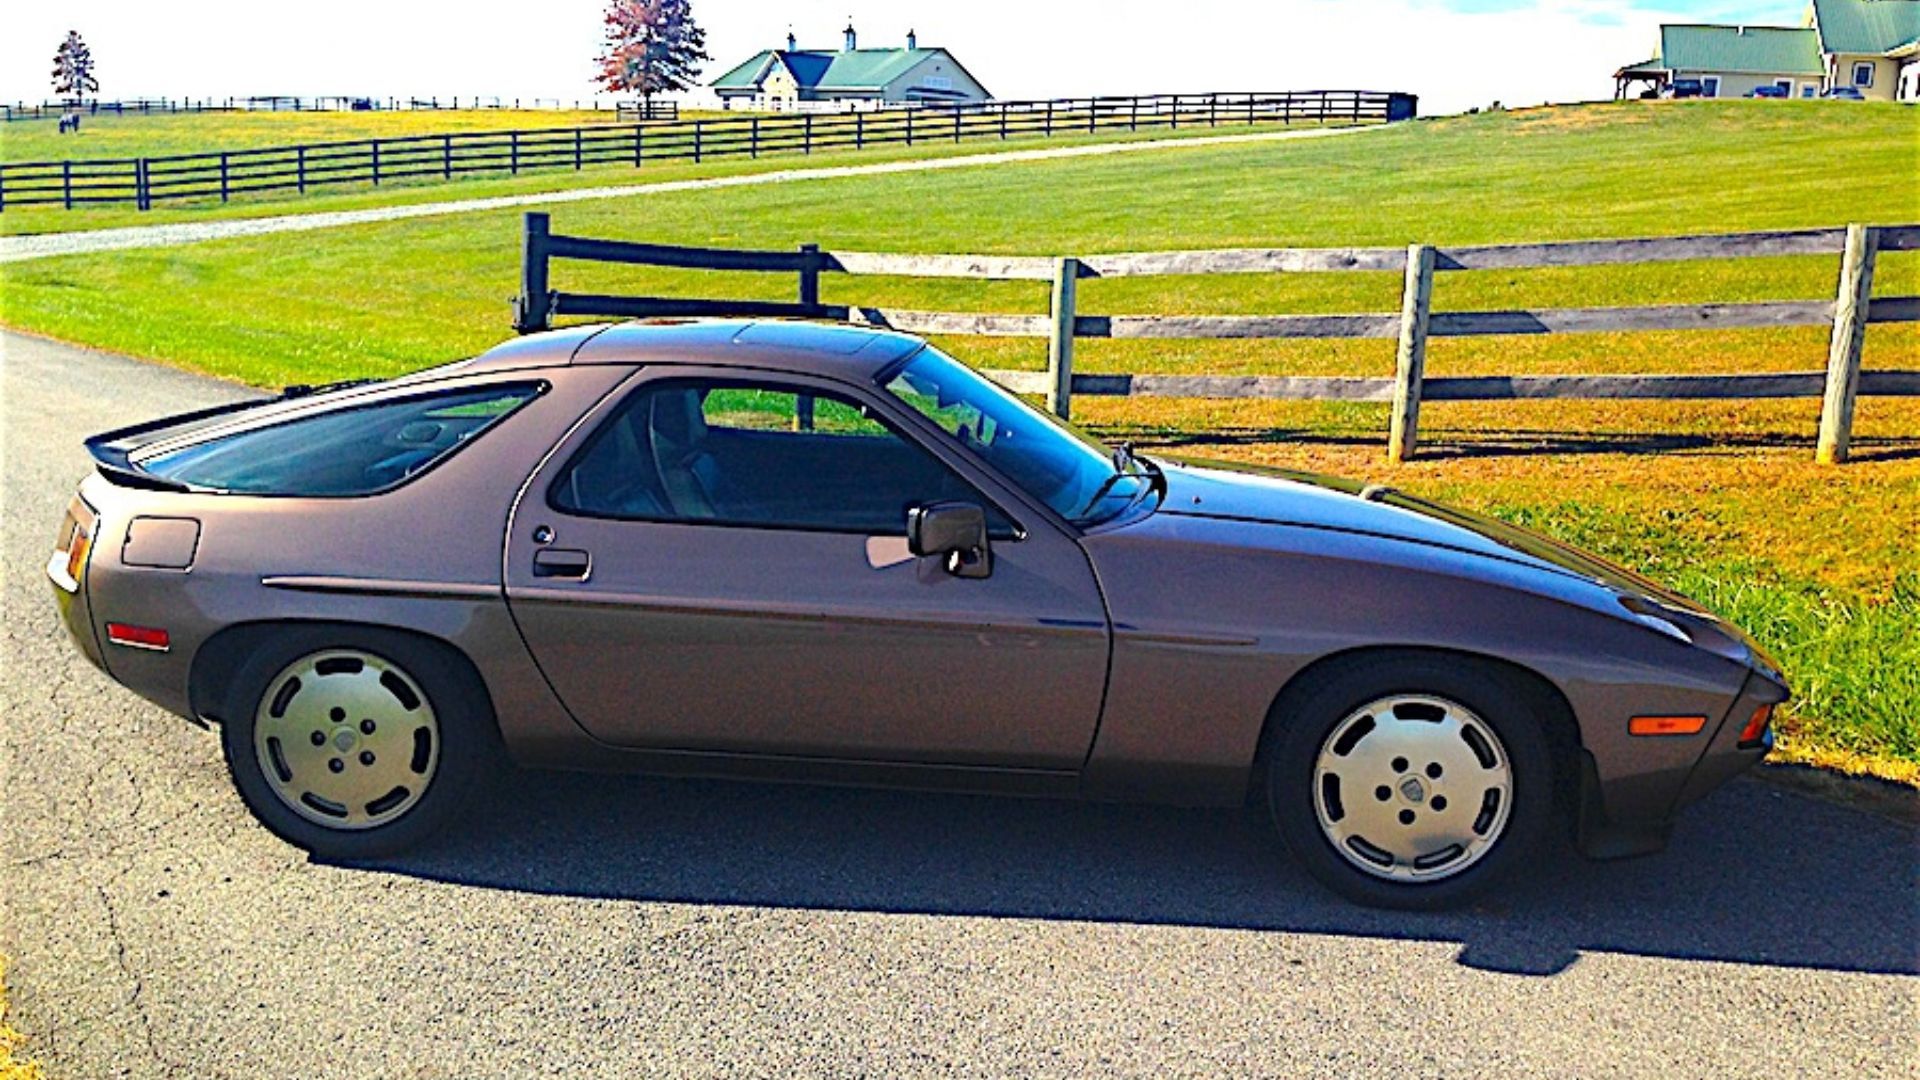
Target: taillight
point(77, 547)
point(1756, 728)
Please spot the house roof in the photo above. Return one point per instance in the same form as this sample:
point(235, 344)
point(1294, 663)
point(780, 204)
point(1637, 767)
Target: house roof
point(1760, 50)
point(1644, 67)
point(1866, 26)
point(855, 69)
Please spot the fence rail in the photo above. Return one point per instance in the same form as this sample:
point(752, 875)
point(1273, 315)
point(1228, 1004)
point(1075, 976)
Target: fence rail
point(224, 175)
point(1839, 384)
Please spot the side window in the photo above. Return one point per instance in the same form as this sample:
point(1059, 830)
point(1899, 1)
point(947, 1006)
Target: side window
point(755, 455)
point(351, 450)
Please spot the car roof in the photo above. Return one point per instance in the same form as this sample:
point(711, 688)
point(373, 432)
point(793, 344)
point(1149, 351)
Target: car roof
point(833, 350)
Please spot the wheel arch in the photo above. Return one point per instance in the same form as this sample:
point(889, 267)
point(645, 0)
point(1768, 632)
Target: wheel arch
point(1546, 700)
point(221, 657)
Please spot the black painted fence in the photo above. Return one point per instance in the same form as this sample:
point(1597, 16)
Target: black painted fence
point(225, 175)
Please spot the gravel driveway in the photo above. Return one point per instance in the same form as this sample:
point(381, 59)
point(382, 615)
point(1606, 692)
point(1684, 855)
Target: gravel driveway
point(617, 926)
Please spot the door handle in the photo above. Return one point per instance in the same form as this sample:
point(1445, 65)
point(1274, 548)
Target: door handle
point(560, 562)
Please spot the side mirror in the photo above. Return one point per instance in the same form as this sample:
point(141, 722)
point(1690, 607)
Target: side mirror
point(956, 530)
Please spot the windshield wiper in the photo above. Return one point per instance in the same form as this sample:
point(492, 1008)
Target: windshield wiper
point(1123, 459)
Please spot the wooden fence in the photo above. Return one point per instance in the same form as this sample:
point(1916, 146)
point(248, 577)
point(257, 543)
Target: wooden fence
point(52, 110)
point(1839, 383)
point(223, 175)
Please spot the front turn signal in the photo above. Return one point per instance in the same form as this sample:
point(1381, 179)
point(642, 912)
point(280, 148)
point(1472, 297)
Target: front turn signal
point(1756, 728)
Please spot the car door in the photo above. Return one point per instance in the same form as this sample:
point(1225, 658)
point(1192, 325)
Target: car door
point(719, 563)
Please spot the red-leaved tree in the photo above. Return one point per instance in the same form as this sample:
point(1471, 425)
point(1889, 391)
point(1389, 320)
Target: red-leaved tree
point(652, 47)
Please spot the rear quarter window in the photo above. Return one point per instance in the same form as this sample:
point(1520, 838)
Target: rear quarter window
point(352, 450)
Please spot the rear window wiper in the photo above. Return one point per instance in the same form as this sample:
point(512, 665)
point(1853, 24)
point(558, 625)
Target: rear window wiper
point(300, 390)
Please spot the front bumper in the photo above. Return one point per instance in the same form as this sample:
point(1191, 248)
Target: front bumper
point(1600, 835)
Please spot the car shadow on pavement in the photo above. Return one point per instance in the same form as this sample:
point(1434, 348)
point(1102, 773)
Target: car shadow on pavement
point(1755, 874)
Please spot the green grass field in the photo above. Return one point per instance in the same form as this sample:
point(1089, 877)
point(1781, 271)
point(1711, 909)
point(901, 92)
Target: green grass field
point(1718, 498)
point(193, 133)
point(40, 218)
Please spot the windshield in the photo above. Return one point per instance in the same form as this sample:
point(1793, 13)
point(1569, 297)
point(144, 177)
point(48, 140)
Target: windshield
point(1081, 479)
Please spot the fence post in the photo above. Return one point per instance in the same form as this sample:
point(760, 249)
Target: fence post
point(576, 150)
point(534, 309)
point(753, 137)
point(1003, 121)
point(909, 125)
point(1066, 278)
point(806, 134)
point(223, 176)
point(513, 150)
point(375, 144)
point(639, 134)
point(810, 276)
point(1416, 302)
point(446, 157)
point(142, 196)
point(1173, 121)
point(66, 182)
point(300, 169)
point(956, 122)
point(3, 185)
point(1849, 337)
point(697, 125)
point(1048, 130)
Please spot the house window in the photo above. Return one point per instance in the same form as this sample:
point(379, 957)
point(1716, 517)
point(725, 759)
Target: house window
point(1710, 87)
point(1863, 75)
point(1785, 86)
point(1808, 90)
point(937, 82)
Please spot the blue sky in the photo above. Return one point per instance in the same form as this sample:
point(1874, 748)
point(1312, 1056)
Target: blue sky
point(1454, 53)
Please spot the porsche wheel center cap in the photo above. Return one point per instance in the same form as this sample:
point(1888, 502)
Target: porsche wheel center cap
point(1413, 790)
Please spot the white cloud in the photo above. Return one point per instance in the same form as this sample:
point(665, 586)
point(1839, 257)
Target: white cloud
point(1539, 51)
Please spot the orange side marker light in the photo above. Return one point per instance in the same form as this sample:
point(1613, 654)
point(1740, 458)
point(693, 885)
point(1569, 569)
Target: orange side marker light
point(1666, 725)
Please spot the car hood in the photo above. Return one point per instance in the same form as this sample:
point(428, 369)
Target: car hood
point(1284, 497)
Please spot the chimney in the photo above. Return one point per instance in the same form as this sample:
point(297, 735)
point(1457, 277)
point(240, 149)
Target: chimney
point(792, 45)
point(850, 45)
point(912, 41)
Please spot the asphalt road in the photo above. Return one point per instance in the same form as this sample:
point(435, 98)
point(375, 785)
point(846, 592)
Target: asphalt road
point(627, 926)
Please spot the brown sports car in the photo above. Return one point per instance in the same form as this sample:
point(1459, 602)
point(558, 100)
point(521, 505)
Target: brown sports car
point(797, 551)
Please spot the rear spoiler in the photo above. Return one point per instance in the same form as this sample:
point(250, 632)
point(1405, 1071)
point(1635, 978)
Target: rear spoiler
point(111, 450)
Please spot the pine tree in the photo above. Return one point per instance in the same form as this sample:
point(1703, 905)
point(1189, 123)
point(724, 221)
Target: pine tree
point(73, 76)
point(652, 46)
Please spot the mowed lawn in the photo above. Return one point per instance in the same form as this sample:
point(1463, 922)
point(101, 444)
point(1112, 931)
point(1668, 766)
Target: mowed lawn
point(1720, 499)
point(134, 135)
point(39, 218)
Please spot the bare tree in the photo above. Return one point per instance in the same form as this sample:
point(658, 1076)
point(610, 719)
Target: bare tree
point(652, 47)
point(73, 77)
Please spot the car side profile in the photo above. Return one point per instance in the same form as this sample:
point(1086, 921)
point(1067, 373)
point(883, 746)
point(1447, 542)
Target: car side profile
point(796, 551)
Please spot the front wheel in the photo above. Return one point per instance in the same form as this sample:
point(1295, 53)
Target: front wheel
point(1412, 783)
point(355, 744)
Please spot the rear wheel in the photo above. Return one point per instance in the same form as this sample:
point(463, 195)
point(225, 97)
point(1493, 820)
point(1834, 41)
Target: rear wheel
point(1410, 783)
point(355, 744)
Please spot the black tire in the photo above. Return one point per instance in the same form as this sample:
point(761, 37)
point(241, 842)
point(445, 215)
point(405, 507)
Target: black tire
point(1305, 719)
point(467, 751)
